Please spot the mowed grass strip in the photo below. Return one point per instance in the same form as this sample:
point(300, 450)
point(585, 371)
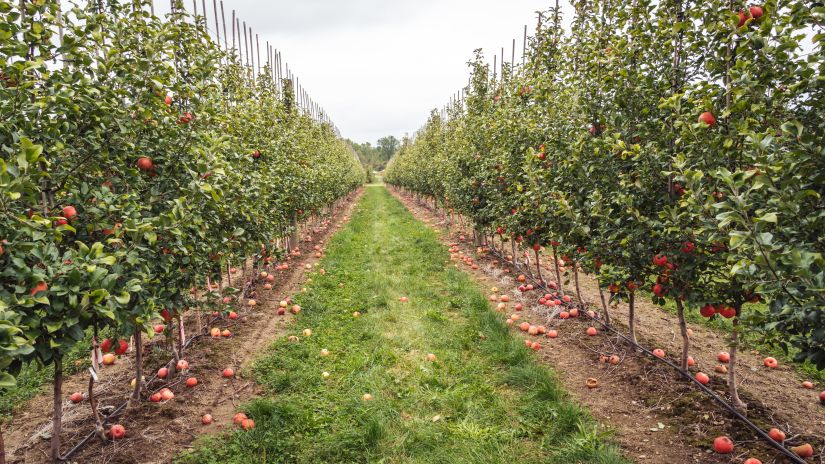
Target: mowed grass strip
point(483, 400)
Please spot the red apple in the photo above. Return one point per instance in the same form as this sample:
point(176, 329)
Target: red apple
point(803, 451)
point(69, 212)
point(228, 373)
point(723, 357)
point(206, 419)
point(168, 100)
point(723, 445)
point(40, 287)
point(753, 461)
point(191, 382)
point(76, 397)
point(707, 118)
point(756, 12)
point(707, 310)
point(592, 331)
point(145, 164)
point(122, 346)
point(117, 431)
point(659, 353)
point(702, 378)
point(182, 365)
point(156, 397)
point(777, 435)
point(159, 328)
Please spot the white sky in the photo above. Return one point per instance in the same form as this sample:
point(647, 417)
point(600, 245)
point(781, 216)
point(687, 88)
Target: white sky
point(377, 66)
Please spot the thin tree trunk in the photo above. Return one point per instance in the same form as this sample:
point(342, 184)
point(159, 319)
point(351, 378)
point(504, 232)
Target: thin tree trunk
point(604, 306)
point(632, 304)
point(733, 385)
point(578, 288)
point(558, 272)
point(2, 447)
point(135, 398)
point(680, 312)
point(57, 416)
point(538, 268)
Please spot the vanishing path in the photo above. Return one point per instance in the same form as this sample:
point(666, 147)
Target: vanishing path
point(482, 400)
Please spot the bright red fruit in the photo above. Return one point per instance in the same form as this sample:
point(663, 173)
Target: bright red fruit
point(191, 382)
point(803, 451)
point(727, 312)
point(76, 397)
point(707, 310)
point(743, 18)
point(145, 164)
point(537, 247)
point(117, 431)
point(688, 247)
point(822, 397)
point(168, 100)
point(228, 373)
point(106, 346)
point(163, 373)
point(702, 378)
point(777, 435)
point(723, 445)
point(122, 347)
point(756, 12)
point(69, 212)
point(159, 328)
point(40, 287)
point(753, 461)
point(707, 118)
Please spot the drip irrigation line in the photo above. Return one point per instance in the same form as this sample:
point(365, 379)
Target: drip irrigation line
point(707, 391)
point(704, 389)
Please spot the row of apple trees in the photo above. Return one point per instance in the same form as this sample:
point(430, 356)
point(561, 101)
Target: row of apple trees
point(138, 159)
point(674, 146)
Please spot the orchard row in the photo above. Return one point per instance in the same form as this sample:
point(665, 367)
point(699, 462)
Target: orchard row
point(138, 161)
point(674, 147)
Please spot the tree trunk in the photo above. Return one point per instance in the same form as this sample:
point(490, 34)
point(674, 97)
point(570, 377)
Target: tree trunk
point(733, 385)
point(538, 268)
point(604, 306)
point(57, 416)
point(2, 447)
point(293, 237)
point(558, 272)
point(680, 312)
point(134, 400)
point(578, 288)
point(632, 305)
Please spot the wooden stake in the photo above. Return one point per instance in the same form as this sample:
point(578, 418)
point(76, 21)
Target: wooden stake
point(245, 44)
point(233, 29)
point(524, 47)
point(258, 48)
point(223, 20)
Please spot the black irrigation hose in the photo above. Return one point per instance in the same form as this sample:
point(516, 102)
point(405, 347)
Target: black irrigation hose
point(755, 428)
point(82, 443)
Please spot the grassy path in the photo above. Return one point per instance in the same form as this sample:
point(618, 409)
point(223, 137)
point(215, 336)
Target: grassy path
point(483, 400)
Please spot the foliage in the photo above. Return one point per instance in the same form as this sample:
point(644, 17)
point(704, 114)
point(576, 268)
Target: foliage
point(597, 144)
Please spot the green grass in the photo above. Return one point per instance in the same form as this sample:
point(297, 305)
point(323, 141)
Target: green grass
point(483, 401)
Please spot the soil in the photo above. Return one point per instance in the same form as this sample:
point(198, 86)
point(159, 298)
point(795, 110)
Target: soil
point(156, 432)
point(656, 416)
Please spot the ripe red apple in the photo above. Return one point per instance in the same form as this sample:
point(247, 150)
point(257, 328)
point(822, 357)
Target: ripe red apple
point(690, 361)
point(168, 100)
point(753, 461)
point(808, 384)
point(770, 362)
point(166, 315)
point(708, 118)
point(723, 357)
point(727, 312)
point(743, 18)
point(552, 333)
point(238, 418)
point(108, 359)
point(247, 424)
point(182, 365)
point(206, 419)
point(156, 397)
point(69, 212)
point(76, 397)
point(233, 315)
point(707, 310)
point(591, 331)
point(659, 353)
point(256, 154)
point(226, 333)
point(40, 287)
point(159, 328)
point(777, 435)
point(191, 382)
point(723, 445)
point(281, 311)
point(166, 394)
point(822, 397)
point(228, 373)
point(702, 378)
point(803, 451)
point(145, 164)
point(756, 12)
point(117, 431)
point(122, 346)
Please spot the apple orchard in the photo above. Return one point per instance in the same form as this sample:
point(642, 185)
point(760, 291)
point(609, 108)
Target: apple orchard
point(673, 148)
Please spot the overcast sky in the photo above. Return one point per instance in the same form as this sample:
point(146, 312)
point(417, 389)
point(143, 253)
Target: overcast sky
point(377, 66)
